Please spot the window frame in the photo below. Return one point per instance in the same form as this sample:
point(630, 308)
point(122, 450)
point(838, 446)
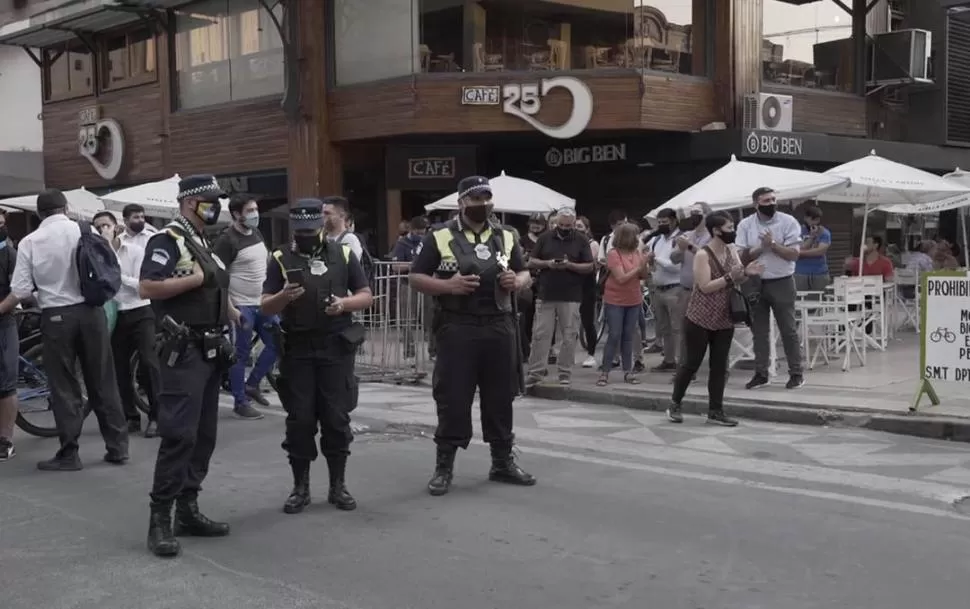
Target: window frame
point(175, 80)
point(103, 83)
point(47, 95)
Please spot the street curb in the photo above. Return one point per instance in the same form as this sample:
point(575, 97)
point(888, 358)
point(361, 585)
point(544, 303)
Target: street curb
point(920, 425)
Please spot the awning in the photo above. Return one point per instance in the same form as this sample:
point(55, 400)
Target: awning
point(78, 16)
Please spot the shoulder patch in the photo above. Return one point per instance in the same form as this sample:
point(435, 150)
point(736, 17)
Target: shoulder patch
point(160, 256)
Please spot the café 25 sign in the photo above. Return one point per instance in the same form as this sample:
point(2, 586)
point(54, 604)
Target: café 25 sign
point(101, 141)
point(525, 101)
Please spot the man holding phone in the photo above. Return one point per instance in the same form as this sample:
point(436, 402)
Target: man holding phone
point(563, 258)
point(315, 285)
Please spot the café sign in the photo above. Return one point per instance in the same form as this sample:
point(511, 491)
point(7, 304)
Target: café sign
point(524, 101)
point(436, 168)
point(101, 141)
point(774, 144)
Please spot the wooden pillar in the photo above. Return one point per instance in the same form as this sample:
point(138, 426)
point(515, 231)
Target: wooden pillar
point(737, 54)
point(392, 213)
point(315, 168)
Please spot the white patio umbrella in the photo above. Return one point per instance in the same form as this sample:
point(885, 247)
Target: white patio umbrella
point(730, 187)
point(158, 199)
point(514, 196)
point(81, 203)
point(875, 182)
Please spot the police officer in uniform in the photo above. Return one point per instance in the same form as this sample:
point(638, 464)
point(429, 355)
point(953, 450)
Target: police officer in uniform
point(188, 287)
point(473, 268)
point(315, 285)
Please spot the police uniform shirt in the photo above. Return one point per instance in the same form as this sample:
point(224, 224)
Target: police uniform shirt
point(161, 257)
point(356, 278)
point(429, 258)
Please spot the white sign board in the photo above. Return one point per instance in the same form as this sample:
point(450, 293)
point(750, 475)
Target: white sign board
point(946, 340)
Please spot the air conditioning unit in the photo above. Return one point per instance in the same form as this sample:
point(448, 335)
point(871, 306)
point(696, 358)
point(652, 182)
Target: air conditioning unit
point(901, 57)
point(768, 112)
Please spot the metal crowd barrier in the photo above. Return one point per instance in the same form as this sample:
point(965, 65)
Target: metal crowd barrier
point(397, 348)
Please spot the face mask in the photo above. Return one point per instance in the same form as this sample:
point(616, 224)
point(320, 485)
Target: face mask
point(663, 229)
point(136, 227)
point(727, 238)
point(3, 237)
point(694, 221)
point(251, 220)
point(565, 232)
point(307, 244)
point(209, 211)
point(477, 214)
point(768, 211)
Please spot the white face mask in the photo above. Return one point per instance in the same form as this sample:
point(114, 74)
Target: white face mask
point(251, 220)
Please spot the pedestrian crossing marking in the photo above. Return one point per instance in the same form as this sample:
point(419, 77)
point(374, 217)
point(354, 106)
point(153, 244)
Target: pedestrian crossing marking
point(954, 475)
point(640, 434)
point(708, 444)
point(553, 422)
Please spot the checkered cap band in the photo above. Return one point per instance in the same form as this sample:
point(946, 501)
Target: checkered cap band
point(474, 190)
point(199, 186)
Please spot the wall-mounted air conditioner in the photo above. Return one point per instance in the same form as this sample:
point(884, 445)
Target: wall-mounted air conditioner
point(768, 112)
point(901, 57)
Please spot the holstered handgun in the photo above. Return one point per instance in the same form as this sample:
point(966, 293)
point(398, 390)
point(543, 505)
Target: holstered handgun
point(175, 340)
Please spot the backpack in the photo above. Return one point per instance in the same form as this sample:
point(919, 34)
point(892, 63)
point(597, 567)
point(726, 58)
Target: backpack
point(97, 267)
point(366, 260)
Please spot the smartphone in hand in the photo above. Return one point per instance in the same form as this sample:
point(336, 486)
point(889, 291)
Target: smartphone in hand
point(295, 276)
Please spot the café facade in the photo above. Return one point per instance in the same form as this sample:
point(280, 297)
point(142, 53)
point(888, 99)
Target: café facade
point(616, 103)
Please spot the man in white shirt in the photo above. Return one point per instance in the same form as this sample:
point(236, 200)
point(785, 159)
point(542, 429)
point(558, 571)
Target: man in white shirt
point(665, 288)
point(135, 327)
point(336, 211)
point(774, 239)
point(70, 329)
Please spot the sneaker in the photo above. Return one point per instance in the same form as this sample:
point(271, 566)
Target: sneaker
point(757, 381)
point(7, 451)
point(654, 348)
point(564, 380)
point(795, 381)
point(246, 411)
point(665, 367)
point(589, 362)
point(256, 395)
point(674, 415)
point(717, 417)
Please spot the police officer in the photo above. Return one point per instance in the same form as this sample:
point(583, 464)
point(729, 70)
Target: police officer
point(188, 286)
point(473, 268)
point(315, 285)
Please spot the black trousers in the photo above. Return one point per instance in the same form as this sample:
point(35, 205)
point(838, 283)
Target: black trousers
point(69, 334)
point(587, 316)
point(318, 389)
point(475, 352)
point(135, 332)
point(188, 417)
point(698, 340)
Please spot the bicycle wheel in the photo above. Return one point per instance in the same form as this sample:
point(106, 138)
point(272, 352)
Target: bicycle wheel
point(34, 413)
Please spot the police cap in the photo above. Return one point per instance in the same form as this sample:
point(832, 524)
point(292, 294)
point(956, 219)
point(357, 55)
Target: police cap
point(204, 186)
point(306, 214)
point(474, 185)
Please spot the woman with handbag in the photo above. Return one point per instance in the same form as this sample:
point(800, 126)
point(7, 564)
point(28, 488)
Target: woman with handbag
point(716, 305)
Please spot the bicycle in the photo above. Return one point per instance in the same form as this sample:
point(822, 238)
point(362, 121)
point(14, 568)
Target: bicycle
point(943, 334)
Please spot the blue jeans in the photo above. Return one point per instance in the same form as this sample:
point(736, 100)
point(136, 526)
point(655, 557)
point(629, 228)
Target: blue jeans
point(253, 320)
point(621, 323)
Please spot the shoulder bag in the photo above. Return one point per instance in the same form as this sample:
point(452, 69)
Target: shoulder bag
point(739, 309)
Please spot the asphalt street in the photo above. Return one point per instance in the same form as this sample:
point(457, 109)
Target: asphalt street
point(630, 511)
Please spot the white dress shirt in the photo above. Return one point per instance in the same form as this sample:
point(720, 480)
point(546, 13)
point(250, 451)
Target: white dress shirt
point(46, 262)
point(665, 271)
point(784, 229)
point(139, 239)
point(130, 256)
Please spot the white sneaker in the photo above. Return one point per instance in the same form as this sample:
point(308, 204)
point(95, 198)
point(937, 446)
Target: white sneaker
point(589, 362)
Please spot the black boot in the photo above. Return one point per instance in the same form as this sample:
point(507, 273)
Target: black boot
point(505, 469)
point(443, 471)
point(161, 541)
point(190, 521)
point(300, 495)
point(339, 495)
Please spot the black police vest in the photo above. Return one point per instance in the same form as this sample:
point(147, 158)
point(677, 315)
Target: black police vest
point(487, 260)
point(203, 307)
point(326, 274)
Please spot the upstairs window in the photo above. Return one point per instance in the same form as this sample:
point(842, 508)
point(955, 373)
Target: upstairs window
point(68, 71)
point(227, 50)
point(128, 59)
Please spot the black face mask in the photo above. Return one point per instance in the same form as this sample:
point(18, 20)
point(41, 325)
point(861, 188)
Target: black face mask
point(477, 214)
point(4, 234)
point(136, 227)
point(565, 232)
point(306, 244)
point(727, 238)
point(768, 211)
point(663, 229)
